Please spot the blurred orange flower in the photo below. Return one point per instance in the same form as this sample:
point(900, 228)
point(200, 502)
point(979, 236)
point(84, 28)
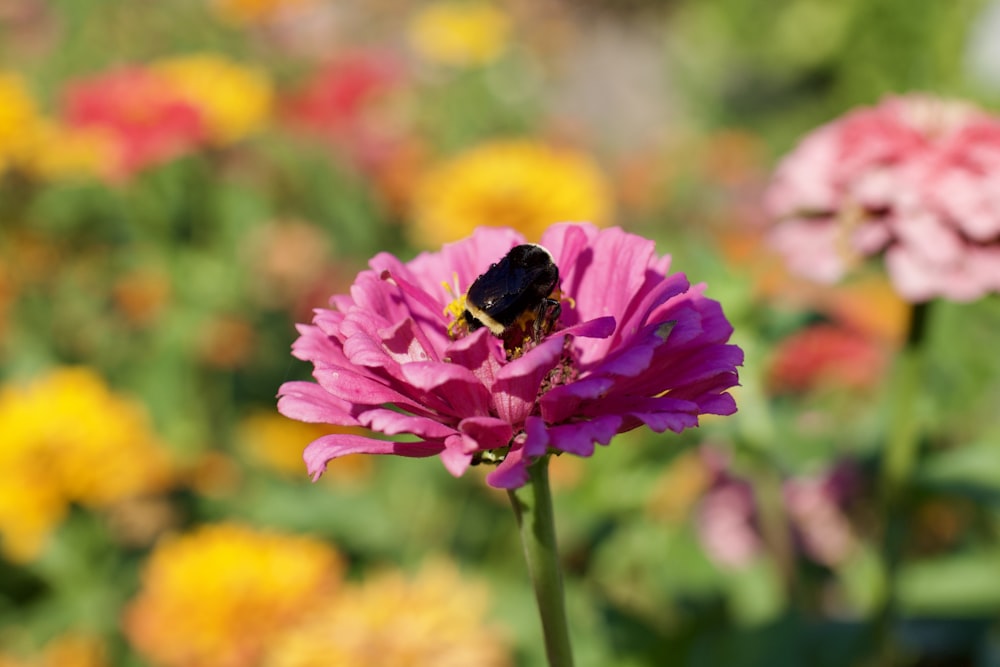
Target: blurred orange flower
point(67, 438)
point(142, 295)
point(244, 12)
point(461, 34)
point(516, 183)
point(217, 596)
point(235, 100)
point(678, 489)
point(434, 618)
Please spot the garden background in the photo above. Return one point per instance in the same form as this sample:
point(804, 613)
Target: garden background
point(184, 181)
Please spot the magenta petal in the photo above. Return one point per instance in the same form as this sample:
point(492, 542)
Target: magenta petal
point(322, 450)
point(360, 389)
point(512, 473)
point(579, 437)
point(487, 432)
point(456, 386)
point(455, 457)
point(562, 402)
point(599, 327)
point(314, 344)
point(516, 388)
point(536, 437)
point(390, 422)
point(480, 352)
point(308, 402)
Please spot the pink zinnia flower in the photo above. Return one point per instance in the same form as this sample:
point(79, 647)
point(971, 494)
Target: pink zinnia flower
point(914, 178)
point(633, 346)
point(146, 119)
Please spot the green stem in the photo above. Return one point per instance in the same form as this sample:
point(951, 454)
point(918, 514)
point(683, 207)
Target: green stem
point(898, 461)
point(904, 434)
point(532, 505)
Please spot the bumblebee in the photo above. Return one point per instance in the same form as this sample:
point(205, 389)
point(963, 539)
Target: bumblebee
point(515, 292)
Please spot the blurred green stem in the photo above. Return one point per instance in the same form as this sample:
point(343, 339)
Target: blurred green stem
point(532, 505)
point(904, 432)
point(898, 462)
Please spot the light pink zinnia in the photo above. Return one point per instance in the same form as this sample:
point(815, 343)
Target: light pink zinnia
point(633, 346)
point(915, 178)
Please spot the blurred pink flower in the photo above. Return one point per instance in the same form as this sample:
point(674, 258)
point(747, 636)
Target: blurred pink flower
point(636, 346)
point(145, 118)
point(914, 178)
point(815, 505)
point(728, 521)
point(727, 524)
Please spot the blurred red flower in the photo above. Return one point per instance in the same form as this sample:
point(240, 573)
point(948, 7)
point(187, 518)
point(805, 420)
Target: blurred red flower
point(146, 119)
point(343, 104)
point(827, 356)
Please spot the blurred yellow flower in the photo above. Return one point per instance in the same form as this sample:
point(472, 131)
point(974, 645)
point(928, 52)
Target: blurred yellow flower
point(515, 183)
point(460, 33)
point(19, 119)
point(235, 100)
point(56, 151)
point(217, 596)
point(277, 441)
point(67, 438)
point(433, 619)
point(244, 12)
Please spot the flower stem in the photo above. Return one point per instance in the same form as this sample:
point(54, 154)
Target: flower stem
point(899, 458)
point(532, 505)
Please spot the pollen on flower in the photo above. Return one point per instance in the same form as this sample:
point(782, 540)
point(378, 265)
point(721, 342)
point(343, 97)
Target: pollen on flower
point(457, 327)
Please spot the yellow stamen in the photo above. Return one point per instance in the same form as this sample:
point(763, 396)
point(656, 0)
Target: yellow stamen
point(456, 308)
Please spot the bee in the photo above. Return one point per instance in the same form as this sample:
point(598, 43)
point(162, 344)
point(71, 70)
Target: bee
point(514, 292)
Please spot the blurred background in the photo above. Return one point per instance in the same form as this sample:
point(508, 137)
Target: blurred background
point(184, 181)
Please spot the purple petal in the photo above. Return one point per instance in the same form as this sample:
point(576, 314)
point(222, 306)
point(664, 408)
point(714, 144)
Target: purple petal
point(562, 402)
point(579, 437)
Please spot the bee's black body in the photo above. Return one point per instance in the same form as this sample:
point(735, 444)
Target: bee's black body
point(519, 283)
